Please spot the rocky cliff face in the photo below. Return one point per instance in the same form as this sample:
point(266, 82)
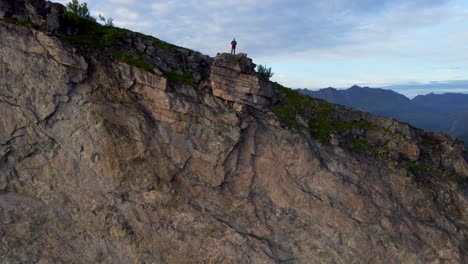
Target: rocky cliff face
point(233, 78)
point(101, 161)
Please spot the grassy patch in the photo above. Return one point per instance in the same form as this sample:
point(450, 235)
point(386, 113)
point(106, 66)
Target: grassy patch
point(364, 124)
point(360, 146)
point(160, 43)
point(185, 78)
point(292, 104)
point(419, 169)
point(92, 34)
point(287, 114)
point(317, 113)
point(321, 125)
point(292, 97)
point(321, 119)
point(16, 21)
point(125, 58)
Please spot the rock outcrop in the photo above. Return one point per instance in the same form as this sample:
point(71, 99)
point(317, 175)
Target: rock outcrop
point(233, 78)
point(41, 14)
point(105, 162)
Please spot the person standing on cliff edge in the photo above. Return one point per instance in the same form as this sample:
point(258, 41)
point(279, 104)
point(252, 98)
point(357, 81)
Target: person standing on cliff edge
point(233, 46)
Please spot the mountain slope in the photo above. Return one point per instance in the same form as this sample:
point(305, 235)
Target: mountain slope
point(198, 159)
point(377, 101)
point(433, 112)
point(458, 126)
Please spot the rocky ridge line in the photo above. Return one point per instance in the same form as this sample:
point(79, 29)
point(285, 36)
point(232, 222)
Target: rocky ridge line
point(101, 161)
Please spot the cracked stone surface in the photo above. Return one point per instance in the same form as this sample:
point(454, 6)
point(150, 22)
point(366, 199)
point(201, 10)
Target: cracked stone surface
point(233, 78)
point(101, 162)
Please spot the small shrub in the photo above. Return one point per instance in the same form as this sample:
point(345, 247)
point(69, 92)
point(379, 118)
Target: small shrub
point(78, 18)
point(108, 23)
point(263, 71)
point(79, 9)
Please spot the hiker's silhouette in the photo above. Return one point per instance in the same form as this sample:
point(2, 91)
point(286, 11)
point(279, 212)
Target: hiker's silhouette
point(233, 46)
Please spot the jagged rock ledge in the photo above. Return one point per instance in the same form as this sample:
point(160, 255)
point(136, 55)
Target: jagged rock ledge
point(104, 162)
point(233, 78)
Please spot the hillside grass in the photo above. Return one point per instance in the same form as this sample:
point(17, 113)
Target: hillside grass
point(92, 34)
point(137, 62)
point(117, 42)
point(183, 78)
point(318, 114)
point(305, 114)
point(97, 36)
point(427, 170)
point(16, 21)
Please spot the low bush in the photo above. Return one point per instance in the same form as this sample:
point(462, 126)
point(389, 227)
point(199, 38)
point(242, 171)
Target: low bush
point(264, 71)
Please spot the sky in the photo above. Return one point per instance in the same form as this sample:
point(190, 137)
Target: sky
point(411, 46)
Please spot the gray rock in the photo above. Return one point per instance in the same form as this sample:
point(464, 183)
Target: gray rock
point(233, 79)
point(115, 165)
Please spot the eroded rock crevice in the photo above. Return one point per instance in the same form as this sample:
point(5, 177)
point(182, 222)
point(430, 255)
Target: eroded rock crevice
point(101, 161)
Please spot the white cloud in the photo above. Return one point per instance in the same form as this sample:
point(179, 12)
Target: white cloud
point(162, 8)
point(406, 34)
point(127, 2)
point(126, 13)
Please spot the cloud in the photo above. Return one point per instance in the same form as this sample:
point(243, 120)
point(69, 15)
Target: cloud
point(312, 43)
point(126, 2)
point(299, 26)
point(161, 8)
point(126, 13)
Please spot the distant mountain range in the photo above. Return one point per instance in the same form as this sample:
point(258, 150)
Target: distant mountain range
point(447, 112)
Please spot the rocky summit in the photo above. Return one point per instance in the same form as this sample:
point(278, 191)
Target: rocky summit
point(116, 147)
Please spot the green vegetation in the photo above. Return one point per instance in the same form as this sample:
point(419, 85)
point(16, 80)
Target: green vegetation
point(15, 21)
point(160, 43)
point(87, 33)
point(317, 117)
point(360, 146)
point(321, 127)
point(287, 115)
point(80, 10)
point(418, 168)
point(126, 58)
point(184, 78)
point(317, 113)
point(97, 36)
point(321, 119)
point(108, 23)
point(292, 104)
point(424, 170)
point(78, 17)
point(265, 72)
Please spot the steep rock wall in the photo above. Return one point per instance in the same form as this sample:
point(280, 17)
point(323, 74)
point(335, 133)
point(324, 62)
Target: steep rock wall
point(233, 78)
point(104, 162)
